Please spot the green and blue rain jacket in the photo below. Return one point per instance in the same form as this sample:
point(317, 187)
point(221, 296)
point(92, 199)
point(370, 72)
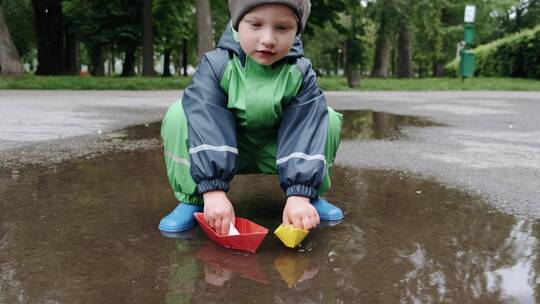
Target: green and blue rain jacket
point(231, 93)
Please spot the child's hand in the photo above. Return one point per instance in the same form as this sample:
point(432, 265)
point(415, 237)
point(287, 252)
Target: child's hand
point(300, 213)
point(218, 211)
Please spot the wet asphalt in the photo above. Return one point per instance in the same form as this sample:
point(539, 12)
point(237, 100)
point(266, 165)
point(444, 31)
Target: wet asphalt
point(486, 143)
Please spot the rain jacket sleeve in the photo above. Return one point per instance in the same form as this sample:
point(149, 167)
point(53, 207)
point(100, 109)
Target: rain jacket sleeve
point(211, 126)
point(302, 138)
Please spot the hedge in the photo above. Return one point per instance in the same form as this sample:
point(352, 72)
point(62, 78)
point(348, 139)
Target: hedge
point(516, 55)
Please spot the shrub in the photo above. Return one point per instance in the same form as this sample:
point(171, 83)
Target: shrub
point(516, 55)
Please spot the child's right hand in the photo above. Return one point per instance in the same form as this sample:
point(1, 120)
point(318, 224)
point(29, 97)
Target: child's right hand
point(218, 211)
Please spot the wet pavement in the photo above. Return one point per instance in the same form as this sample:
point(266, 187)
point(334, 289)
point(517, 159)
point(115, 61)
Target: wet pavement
point(85, 231)
point(485, 143)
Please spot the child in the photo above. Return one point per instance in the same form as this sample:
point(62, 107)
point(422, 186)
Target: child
point(253, 107)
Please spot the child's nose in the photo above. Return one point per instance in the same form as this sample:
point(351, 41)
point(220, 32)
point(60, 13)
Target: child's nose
point(268, 38)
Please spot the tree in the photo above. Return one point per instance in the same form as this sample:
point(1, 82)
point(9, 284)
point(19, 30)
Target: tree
point(355, 43)
point(107, 27)
point(384, 14)
point(89, 20)
point(405, 40)
point(148, 40)
point(323, 12)
point(513, 17)
point(175, 28)
point(322, 48)
point(204, 27)
point(10, 63)
point(49, 26)
point(72, 50)
point(18, 16)
point(220, 17)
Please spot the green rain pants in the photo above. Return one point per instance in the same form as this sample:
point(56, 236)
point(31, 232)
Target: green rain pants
point(256, 152)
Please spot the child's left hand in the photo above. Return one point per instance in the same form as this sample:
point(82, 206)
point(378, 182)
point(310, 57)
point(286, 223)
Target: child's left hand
point(300, 213)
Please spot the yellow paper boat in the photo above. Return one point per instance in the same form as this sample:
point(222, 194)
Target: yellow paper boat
point(290, 235)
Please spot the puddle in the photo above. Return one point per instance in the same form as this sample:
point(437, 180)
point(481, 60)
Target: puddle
point(357, 125)
point(366, 124)
point(144, 131)
point(86, 232)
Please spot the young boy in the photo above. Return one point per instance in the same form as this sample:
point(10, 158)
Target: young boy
point(253, 107)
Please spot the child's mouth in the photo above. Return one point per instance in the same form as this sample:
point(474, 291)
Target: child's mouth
point(265, 53)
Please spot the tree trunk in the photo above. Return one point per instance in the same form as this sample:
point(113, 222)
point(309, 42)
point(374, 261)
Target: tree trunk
point(128, 68)
point(96, 60)
point(405, 68)
point(393, 62)
point(354, 77)
point(10, 62)
point(49, 24)
point(185, 57)
point(148, 40)
point(204, 28)
point(344, 58)
point(110, 63)
point(73, 66)
point(167, 63)
point(381, 62)
point(438, 69)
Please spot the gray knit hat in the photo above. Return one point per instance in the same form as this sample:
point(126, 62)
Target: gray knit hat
point(238, 8)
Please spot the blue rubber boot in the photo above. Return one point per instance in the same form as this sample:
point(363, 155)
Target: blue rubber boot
point(327, 211)
point(181, 218)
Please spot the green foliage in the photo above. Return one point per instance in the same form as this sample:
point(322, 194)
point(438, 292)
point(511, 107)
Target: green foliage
point(175, 23)
point(323, 48)
point(516, 16)
point(220, 17)
point(105, 25)
point(517, 55)
point(329, 42)
point(323, 11)
point(355, 36)
point(108, 28)
point(19, 18)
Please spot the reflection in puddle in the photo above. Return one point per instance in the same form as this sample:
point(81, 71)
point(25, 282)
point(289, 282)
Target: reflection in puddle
point(220, 265)
point(378, 125)
point(143, 131)
point(357, 124)
point(86, 232)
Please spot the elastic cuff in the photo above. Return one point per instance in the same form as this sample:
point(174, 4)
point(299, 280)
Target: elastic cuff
point(211, 185)
point(301, 190)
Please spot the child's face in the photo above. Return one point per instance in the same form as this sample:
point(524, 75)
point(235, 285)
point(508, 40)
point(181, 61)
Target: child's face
point(267, 32)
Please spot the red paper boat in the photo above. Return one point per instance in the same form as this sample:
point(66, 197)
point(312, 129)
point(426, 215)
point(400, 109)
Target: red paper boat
point(250, 237)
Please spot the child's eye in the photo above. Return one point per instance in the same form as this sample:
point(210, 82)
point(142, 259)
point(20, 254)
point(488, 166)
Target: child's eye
point(255, 24)
point(283, 28)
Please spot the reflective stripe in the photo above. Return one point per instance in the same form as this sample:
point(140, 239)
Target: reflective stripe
point(177, 159)
point(303, 156)
point(213, 148)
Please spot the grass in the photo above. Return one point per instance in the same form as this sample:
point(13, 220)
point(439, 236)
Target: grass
point(31, 82)
point(434, 84)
